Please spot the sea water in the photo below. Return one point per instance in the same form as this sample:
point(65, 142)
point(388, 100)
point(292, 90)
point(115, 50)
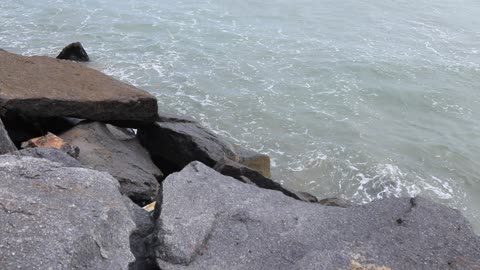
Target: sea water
point(355, 99)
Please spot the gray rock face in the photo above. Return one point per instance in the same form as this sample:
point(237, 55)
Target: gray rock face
point(209, 221)
point(46, 87)
point(180, 142)
point(51, 154)
point(54, 217)
point(6, 145)
point(118, 154)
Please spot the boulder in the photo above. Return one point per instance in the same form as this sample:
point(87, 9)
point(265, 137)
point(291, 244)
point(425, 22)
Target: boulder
point(175, 141)
point(174, 144)
point(52, 141)
point(255, 161)
point(6, 144)
point(113, 150)
point(75, 52)
point(209, 221)
point(51, 154)
point(42, 87)
point(55, 217)
point(243, 173)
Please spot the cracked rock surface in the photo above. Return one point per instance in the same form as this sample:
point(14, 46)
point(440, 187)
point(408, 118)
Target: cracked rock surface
point(56, 217)
point(209, 221)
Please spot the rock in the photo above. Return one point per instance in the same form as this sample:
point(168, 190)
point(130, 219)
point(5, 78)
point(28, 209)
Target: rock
point(75, 52)
point(208, 221)
point(45, 87)
point(255, 161)
point(175, 144)
point(337, 202)
point(53, 141)
point(140, 239)
point(6, 144)
point(247, 175)
point(54, 217)
point(120, 155)
point(51, 154)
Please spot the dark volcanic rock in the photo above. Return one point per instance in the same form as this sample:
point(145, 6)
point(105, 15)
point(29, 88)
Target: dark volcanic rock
point(118, 154)
point(51, 154)
point(75, 52)
point(175, 144)
point(209, 221)
point(54, 217)
point(6, 144)
point(45, 87)
point(247, 175)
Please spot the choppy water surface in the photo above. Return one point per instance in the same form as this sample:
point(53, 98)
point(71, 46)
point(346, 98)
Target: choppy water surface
point(360, 99)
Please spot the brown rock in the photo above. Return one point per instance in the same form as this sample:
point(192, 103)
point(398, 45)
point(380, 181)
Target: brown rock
point(53, 141)
point(45, 87)
point(253, 160)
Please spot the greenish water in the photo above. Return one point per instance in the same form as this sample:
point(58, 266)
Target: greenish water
point(359, 99)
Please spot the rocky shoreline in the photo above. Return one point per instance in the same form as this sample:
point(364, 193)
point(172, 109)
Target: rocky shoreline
point(81, 189)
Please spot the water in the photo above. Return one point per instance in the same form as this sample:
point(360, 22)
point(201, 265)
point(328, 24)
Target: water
point(358, 99)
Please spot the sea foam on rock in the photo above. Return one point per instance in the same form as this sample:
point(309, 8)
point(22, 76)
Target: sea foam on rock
point(56, 217)
point(41, 86)
point(210, 221)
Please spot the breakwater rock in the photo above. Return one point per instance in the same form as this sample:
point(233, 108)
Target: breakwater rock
point(216, 205)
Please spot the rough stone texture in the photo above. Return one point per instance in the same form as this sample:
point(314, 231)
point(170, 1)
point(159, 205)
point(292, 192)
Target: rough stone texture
point(6, 144)
point(243, 173)
point(74, 51)
point(118, 154)
point(209, 221)
point(55, 217)
point(51, 154)
point(255, 161)
point(46, 87)
point(51, 140)
point(177, 143)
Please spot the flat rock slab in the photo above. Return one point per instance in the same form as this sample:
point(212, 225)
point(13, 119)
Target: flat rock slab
point(45, 87)
point(111, 149)
point(209, 221)
point(54, 217)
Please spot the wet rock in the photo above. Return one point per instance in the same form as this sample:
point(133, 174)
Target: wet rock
point(337, 202)
point(208, 221)
point(55, 217)
point(175, 144)
point(255, 161)
point(51, 154)
point(45, 87)
point(6, 144)
point(53, 141)
point(111, 149)
point(74, 51)
point(243, 173)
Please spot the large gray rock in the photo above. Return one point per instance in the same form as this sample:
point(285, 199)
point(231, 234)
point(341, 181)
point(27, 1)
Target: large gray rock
point(51, 154)
point(113, 150)
point(6, 145)
point(46, 87)
point(209, 221)
point(54, 217)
